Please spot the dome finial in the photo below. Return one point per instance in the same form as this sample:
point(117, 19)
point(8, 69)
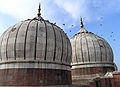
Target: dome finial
point(39, 10)
point(81, 23)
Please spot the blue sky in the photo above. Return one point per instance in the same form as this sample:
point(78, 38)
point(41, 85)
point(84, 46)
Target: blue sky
point(101, 17)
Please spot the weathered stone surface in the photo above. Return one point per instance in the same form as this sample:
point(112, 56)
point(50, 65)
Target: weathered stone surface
point(90, 50)
point(33, 53)
point(34, 77)
point(35, 39)
point(51, 86)
point(92, 56)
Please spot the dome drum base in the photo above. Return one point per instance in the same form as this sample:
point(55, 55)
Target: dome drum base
point(45, 86)
point(84, 75)
point(34, 77)
point(91, 70)
point(34, 64)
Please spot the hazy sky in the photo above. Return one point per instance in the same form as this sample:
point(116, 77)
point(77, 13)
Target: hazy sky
point(101, 17)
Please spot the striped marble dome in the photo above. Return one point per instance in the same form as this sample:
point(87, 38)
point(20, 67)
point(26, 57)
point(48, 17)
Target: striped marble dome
point(90, 50)
point(36, 53)
point(35, 40)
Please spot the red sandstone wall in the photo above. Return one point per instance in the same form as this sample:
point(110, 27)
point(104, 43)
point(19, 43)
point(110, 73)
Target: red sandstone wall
point(104, 82)
point(88, 71)
point(91, 70)
point(80, 83)
point(34, 77)
point(107, 82)
point(116, 77)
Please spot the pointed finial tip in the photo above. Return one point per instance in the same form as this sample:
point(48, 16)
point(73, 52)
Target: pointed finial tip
point(39, 9)
point(81, 23)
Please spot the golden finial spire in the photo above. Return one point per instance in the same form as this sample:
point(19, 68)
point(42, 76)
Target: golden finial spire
point(39, 10)
point(81, 23)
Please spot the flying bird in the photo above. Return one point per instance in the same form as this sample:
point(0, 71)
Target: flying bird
point(113, 39)
point(100, 24)
point(101, 18)
point(64, 24)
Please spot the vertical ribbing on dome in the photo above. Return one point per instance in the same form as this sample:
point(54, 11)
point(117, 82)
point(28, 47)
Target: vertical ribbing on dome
point(81, 49)
point(70, 52)
point(94, 49)
point(26, 38)
point(4, 42)
point(96, 54)
point(75, 50)
point(100, 48)
point(36, 40)
point(79, 53)
point(111, 53)
point(105, 49)
point(7, 42)
point(62, 45)
point(87, 48)
point(16, 40)
point(70, 60)
point(46, 41)
point(84, 48)
point(67, 51)
point(54, 42)
point(7, 45)
point(1, 44)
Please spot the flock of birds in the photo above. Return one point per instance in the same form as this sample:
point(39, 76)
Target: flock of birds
point(71, 26)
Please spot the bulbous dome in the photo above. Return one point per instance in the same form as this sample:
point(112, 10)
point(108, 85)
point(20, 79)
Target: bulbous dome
point(90, 50)
point(36, 51)
point(35, 40)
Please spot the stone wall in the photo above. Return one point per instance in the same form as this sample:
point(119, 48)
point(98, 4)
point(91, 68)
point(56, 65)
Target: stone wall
point(91, 70)
point(84, 75)
point(34, 77)
point(113, 81)
point(116, 77)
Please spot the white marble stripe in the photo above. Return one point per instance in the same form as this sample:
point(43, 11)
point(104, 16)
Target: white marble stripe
point(89, 63)
point(92, 65)
point(34, 65)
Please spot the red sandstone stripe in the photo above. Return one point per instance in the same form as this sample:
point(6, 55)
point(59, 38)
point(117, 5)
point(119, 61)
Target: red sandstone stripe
point(34, 77)
point(90, 70)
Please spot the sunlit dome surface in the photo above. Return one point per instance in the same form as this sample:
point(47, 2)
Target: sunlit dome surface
point(90, 50)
